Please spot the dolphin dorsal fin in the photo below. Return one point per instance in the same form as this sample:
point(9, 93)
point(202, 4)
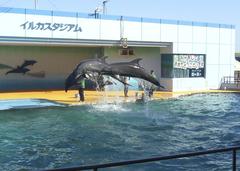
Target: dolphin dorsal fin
point(135, 61)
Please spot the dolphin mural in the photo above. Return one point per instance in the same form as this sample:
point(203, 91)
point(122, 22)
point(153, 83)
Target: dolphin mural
point(18, 70)
point(28, 62)
point(99, 66)
point(22, 68)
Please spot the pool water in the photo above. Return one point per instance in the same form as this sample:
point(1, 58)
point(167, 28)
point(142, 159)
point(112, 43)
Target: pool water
point(54, 137)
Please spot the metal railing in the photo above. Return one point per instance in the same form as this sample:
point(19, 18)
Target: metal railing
point(230, 80)
point(154, 159)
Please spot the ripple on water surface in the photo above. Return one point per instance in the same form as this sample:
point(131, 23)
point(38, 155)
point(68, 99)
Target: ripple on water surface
point(54, 137)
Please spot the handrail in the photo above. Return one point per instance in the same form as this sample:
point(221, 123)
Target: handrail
point(153, 159)
point(230, 80)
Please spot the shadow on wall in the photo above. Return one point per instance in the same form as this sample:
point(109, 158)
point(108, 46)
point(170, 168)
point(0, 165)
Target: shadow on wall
point(23, 69)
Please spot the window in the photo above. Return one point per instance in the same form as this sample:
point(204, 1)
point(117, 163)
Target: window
point(124, 52)
point(182, 65)
point(131, 52)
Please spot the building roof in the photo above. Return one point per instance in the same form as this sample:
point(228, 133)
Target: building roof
point(112, 17)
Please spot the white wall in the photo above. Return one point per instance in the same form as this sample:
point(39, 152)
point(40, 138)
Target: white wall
point(11, 21)
point(218, 43)
point(188, 84)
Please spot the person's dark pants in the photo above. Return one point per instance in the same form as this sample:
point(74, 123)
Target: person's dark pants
point(150, 93)
point(81, 94)
point(125, 90)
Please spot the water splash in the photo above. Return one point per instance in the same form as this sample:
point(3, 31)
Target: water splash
point(116, 104)
point(115, 107)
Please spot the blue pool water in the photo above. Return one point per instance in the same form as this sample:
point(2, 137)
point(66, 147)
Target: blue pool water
point(53, 137)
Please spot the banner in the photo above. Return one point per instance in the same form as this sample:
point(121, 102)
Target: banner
point(193, 61)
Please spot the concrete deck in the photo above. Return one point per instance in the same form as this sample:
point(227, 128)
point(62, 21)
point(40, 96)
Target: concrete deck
point(94, 97)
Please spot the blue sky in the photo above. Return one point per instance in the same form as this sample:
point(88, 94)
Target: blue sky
point(215, 11)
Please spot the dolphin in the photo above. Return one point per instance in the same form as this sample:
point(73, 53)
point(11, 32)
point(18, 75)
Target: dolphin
point(84, 69)
point(87, 68)
point(27, 63)
point(22, 68)
point(133, 69)
point(18, 70)
point(129, 69)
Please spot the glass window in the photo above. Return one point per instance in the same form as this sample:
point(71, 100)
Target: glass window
point(167, 66)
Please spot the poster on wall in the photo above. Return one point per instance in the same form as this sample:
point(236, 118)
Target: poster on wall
point(186, 61)
point(196, 72)
point(195, 63)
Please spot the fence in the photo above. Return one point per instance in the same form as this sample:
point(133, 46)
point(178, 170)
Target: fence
point(230, 80)
point(154, 159)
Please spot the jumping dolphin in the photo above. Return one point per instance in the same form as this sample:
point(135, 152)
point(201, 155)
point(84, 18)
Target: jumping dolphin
point(133, 69)
point(86, 68)
point(98, 80)
point(129, 69)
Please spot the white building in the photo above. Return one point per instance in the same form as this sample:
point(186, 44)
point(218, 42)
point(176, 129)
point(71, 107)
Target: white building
point(185, 55)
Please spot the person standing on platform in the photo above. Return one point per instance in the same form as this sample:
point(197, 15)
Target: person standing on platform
point(125, 86)
point(81, 88)
point(152, 88)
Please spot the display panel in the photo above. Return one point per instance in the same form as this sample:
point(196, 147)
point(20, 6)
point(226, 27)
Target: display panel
point(183, 65)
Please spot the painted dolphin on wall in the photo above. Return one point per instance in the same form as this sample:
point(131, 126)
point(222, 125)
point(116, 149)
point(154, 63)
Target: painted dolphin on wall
point(22, 68)
point(28, 62)
point(18, 70)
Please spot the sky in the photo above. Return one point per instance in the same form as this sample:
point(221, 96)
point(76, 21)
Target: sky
point(212, 11)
